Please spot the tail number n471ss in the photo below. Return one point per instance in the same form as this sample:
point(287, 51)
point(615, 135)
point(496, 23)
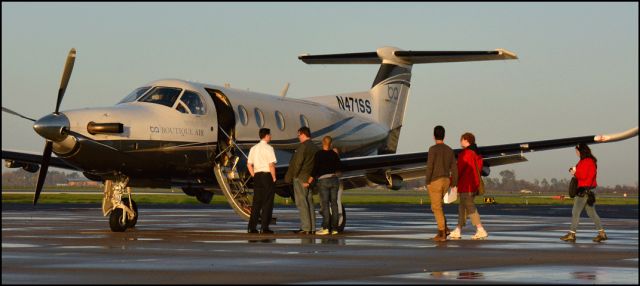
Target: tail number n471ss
point(354, 104)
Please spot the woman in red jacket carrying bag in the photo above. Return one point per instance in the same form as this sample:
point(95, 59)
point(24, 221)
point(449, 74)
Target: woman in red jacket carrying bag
point(469, 162)
point(586, 172)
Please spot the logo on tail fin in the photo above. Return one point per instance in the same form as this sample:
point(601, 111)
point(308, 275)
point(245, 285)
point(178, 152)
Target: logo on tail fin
point(393, 93)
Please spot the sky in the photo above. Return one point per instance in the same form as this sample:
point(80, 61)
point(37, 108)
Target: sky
point(577, 72)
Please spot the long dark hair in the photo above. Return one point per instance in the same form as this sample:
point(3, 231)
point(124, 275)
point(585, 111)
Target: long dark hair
point(585, 152)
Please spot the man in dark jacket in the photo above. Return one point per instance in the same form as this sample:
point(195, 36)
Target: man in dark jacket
point(299, 171)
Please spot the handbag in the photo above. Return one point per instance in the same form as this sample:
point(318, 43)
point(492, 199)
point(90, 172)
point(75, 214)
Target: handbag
point(451, 195)
point(481, 184)
point(573, 187)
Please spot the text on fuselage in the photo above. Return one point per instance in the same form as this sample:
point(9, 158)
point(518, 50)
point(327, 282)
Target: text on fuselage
point(176, 131)
point(354, 104)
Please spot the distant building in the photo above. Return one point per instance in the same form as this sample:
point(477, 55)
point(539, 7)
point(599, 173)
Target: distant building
point(82, 183)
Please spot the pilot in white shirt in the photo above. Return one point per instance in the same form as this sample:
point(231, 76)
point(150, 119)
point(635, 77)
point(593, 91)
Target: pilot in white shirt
point(262, 166)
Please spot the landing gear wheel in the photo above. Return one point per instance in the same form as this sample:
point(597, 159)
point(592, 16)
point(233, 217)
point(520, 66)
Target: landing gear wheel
point(115, 218)
point(115, 221)
point(131, 223)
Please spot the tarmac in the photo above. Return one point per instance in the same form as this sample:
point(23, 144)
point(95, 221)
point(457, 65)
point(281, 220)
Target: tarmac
point(382, 244)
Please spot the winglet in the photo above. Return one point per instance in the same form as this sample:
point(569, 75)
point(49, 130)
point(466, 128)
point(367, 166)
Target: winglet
point(617, 136)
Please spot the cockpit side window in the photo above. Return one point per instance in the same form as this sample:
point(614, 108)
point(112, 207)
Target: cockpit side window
point(180, 107)
point(162, 95)
point(135, 94)
point(193, 102)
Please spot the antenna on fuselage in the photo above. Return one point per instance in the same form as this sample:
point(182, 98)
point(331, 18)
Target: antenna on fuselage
point(283, 93)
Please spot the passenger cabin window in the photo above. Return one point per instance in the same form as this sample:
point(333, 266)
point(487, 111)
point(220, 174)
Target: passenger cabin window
point(280, 120)
point(304, 121)
point(192, 102)
point(243, 115)
point(135, 94)
point(162, 95)
point(259, 117)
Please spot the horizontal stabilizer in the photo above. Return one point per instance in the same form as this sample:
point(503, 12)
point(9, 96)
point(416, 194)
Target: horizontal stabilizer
point(408, 57)
point(417, 57)
point(353, 58)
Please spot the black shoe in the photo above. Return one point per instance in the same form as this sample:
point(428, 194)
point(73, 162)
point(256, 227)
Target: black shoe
point(303, 232)
point(266, 231)
point(252, 231)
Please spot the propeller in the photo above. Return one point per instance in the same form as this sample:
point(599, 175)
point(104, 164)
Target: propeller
point(7, 110)
point(66, 74)
point(46, 154)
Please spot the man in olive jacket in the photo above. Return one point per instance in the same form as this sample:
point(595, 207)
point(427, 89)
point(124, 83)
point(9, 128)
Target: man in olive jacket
point(299, 171)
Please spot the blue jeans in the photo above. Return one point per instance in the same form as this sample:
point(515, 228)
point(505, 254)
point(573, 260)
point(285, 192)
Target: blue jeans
point(328, 189)
point(304, 202)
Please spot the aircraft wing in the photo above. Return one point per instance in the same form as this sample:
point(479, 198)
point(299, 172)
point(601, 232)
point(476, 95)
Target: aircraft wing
point(384, 169)
point(34, 159)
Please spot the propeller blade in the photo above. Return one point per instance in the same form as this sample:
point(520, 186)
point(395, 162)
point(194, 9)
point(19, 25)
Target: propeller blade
point(7, 110)
point(46, 157)
point(66, 74)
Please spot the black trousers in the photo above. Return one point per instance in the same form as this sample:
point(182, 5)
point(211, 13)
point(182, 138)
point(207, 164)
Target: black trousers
point(263, 193)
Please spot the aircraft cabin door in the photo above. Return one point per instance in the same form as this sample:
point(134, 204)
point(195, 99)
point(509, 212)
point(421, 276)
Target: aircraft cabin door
point(226, 126)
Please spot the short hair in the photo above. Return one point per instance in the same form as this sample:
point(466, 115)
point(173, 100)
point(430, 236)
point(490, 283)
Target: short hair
point(438, 132)
point(264, 132)
point(469, 137)
point(327, 140)
point(305, 130)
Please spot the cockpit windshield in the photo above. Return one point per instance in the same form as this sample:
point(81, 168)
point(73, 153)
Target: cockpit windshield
point(162, 95)
point(134, 94)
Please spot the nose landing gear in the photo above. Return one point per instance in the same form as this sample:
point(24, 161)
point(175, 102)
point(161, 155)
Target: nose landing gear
point(123, 212)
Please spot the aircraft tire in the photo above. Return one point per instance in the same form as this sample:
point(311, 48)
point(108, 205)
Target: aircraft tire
point(131, 223)
point(115, 221)
point(204, 197)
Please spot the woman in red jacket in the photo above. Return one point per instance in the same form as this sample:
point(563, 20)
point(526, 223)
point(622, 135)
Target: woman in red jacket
point(469, 162)
point(586, 172)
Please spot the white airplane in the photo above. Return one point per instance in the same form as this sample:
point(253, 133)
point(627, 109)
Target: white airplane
point(176, 133)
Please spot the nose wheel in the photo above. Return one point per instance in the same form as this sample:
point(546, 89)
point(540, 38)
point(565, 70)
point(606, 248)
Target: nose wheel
point(117, 203)
point(119, 222)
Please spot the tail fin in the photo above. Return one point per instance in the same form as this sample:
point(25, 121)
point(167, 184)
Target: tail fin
point(390, 88)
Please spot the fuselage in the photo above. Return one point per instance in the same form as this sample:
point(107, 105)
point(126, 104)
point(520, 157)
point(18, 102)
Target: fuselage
point(172, 130)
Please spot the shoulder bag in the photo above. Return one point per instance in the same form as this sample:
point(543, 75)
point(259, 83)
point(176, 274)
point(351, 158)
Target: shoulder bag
point(481, 182)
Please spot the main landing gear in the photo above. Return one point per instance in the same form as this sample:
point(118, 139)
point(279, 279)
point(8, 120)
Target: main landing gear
point(122, 210)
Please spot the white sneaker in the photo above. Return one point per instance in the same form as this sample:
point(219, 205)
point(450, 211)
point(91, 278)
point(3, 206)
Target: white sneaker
point(324, 231)
point(455, 234)
point(480, 234)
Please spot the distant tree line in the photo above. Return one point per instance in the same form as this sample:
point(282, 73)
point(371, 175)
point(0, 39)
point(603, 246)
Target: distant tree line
point(506, 183)
point(509, 183)
point(22, 178)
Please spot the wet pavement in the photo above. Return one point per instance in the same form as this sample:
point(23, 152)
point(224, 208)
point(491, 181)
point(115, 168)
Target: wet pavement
point(72, 244)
